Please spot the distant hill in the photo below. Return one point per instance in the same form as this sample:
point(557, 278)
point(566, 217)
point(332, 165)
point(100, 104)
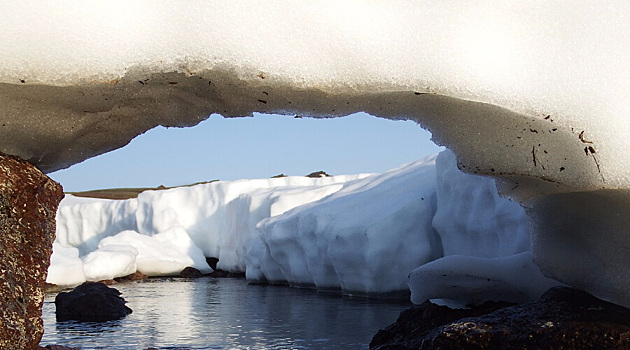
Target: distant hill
point(125, 193)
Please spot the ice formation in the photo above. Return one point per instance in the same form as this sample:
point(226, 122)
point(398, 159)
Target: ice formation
point(166, 231)
point(461, 280)
point(364, 238)
point(534, 94)
point(367, 237)
point(357, 234)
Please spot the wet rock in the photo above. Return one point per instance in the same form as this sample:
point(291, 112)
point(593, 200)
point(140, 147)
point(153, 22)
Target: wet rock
point(564, 318)
point(414, 324)
point(136, 276)
point(56, 347)
point(190, 272)
point(28, 204)
point(91, 302)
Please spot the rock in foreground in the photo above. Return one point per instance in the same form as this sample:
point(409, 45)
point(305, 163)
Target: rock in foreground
point(28, 204)
point(563, 318)
point(91, 302)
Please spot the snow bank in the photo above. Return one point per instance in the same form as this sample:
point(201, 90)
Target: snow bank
point(83, 222)
point(163, 254)
point(449, 231)
point(428, 216)
point(471, 280)
point(220, 217)
point(365, 238)
point(472, 219)
point(66, 268)
point(166, 231)
point(109, 262)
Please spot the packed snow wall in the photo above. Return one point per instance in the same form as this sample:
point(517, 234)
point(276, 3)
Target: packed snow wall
point(425, 227)
point(162, 232)
point(533, 93)
point(361, 235)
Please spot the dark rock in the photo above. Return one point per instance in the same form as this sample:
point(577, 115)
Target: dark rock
point(564, 318)
point(218, 273)
point(414, 324)
point(317, 174)
point(190, 272)
point(278, 176)
point(136, 276)
point(56, 347)
point(91, 302)
point(28, 204)
point(212, 262)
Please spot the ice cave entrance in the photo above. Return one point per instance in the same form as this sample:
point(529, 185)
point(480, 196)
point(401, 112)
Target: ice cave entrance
point(259, 147)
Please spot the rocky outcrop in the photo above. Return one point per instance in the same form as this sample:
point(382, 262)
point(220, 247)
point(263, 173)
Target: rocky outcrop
point(28, 204)
point(317, 174)
point(91, 302)
point(564, 318)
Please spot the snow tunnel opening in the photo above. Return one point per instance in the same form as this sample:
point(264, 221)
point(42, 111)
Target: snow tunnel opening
point(264, 146)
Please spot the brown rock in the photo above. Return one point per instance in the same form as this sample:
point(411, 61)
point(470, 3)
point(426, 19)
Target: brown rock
point(136, 276)
point(564, 318)
point(28, 204)
point(190, 272)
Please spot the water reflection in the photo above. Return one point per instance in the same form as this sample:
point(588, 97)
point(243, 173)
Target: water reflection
point(227, 314)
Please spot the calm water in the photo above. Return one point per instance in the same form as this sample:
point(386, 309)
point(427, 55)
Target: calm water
point(212, 313)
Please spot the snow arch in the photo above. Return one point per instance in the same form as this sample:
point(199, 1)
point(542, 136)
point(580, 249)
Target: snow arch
point(533, 94)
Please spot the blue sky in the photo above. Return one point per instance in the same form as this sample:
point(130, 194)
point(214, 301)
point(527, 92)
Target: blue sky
point(259, 147)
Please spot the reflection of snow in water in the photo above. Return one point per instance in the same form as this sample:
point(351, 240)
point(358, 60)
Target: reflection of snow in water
point(212, 313)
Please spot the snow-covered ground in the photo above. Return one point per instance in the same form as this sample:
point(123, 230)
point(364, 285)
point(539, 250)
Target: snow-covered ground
point(424, 226)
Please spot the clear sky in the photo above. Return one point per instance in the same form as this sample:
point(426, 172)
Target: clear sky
point(259, 147)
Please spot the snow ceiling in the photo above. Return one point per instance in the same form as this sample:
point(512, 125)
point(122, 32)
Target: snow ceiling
point(533, 93)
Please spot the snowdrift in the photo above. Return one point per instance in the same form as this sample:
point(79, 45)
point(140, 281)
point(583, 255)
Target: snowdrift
point(168, 230)
point(425, 226)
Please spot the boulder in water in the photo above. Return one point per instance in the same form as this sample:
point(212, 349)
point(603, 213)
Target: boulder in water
point(91, 302)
